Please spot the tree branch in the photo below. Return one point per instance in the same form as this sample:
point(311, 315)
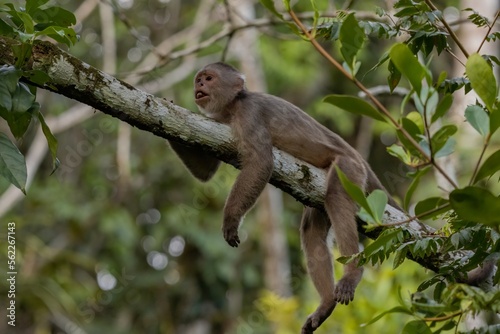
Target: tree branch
point(79, 81)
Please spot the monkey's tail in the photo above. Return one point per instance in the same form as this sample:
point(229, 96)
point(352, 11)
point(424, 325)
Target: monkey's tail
point(374, 183)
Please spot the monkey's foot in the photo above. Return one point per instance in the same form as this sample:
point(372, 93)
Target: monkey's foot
point(344, 290)
point(316, 319)
point(231, 235)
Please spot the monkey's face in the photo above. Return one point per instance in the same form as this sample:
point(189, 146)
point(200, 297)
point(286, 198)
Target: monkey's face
point(203, 88)
point(215, 87)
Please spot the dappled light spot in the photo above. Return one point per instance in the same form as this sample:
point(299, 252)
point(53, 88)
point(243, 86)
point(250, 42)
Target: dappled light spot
point(157, 260)
point(176, 246)
point(106, 280)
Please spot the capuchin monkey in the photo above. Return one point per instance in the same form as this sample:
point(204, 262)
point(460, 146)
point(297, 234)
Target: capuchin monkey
point(258, 122)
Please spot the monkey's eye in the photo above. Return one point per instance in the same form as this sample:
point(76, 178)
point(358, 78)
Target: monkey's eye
point(208, 78)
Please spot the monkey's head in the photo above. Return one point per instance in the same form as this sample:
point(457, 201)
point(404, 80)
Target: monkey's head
point(216, 86)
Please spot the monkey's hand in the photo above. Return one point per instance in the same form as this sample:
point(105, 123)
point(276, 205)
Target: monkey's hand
point(344, 290)
point(230, 231)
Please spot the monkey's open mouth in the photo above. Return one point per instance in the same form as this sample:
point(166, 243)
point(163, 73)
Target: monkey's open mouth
point(199, 94)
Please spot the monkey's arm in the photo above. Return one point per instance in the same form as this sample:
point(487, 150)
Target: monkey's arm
point(201, 164)
point(255, 149)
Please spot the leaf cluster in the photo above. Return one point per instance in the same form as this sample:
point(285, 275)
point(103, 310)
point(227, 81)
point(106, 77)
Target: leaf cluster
point(17, 92)
point(471, 245)
point(37, 20)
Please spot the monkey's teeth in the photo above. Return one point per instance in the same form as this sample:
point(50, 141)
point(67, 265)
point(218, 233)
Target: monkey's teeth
point(199, 95)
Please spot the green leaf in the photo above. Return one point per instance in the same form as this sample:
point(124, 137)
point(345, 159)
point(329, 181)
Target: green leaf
point(482, 79)
point(477, 18)
point(494, 121)
point(440, 138)
point(429, 282)
point(27, 22)
point(419, 104)
point(408, 65)
point(478, 118)
point(269, 4)
point(16, 101)
point(400, 153)
point(447, 149)
point(33, 4)
point(438, 291)
point(9, 77)
point(12, 163)
point(489, 167)
point(431, 102)
point(493, 37)
point(62, 35)
point(409, 123)
point(416, 119)
point(22, 99)
point(316, 13)
point(415, 132)
point(414, 184)
point(394, 76)
point(476, 205)
point(333, 31)
point(416, 326)
point(22, 52)
point(430, 204)
point(14, 17)
point(441, 78)
point(383, 59)
point(449, 86)
point(53, 16)
point(20, 122)
point(36, 76)
point(443, 106)
point(399, 258)
point(377, 200)
point(6, 29)
point(22, 110)
point(353, 190)
point(379, 249)
point(51, 141)
point(354, 105)
point(351, 37)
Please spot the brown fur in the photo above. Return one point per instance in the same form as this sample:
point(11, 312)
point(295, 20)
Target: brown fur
point(261, 121)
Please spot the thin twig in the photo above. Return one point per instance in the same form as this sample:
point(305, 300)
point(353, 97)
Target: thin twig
point(449, 29)
point(370, 96)
point(428, 133)
point(490, 27)
point(476, 169)
point(446, 317)
point(454, 56)
point(417, 217)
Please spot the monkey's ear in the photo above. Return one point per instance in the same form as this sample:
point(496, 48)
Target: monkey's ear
point(201, 164)
point(240, 82)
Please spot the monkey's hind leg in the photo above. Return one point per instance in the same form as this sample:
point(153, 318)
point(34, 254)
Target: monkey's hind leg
point(314, 233)
point(341, 210)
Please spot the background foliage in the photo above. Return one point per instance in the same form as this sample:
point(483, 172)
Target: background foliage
point(129, 242)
